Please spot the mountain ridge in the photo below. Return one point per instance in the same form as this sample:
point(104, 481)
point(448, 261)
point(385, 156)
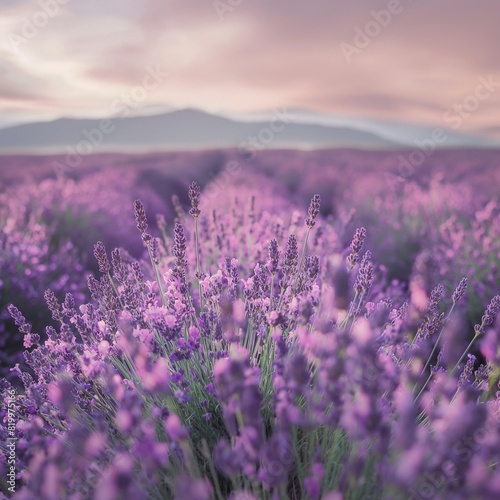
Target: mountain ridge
point(188, 128)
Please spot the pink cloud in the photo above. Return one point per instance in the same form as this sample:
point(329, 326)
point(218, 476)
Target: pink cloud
point(285, 52)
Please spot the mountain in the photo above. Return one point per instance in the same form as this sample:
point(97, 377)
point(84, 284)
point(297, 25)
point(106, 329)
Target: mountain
point(194, 129)
point(184, 129)
point(405, 134)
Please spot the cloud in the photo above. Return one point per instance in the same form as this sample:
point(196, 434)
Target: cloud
point(261, 55)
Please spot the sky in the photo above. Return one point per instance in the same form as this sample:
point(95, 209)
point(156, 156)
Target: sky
point(433, 62)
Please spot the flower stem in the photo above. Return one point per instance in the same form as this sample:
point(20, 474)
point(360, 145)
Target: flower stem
point(464, 354)
point(299, 267)
point(198, 260)
point(432, 353)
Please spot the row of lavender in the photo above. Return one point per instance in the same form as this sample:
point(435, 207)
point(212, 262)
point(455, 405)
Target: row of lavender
point(255, 354)
point(47, 229)
point(425, 232)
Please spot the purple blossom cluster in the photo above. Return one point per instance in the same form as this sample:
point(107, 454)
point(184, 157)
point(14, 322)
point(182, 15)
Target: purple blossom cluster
point(440, 233)
point(239, 357)
point(47, 228)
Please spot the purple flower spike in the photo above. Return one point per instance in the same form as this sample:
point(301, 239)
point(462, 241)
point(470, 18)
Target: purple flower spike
point(489, 315)
point(274, 256)
point(140, 216)
point(194, 489)
point(175, 430)
point(291, 256)
point(194, 195)
point(155, 251)
point(313, 483)
point(460, 290)
point(18, 318)
point(53, 305)
point(179, 250)
point(101, 257)
point(313, 210)
point(467, 371)
point(356, 247)
point(436, 296)
point(69, 305)
point(364, 279)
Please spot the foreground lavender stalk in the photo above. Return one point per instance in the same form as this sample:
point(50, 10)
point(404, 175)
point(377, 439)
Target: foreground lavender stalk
point(457, 295)
point(313, 212)
point(194, 195)
point(489, 316)
point(142, 225)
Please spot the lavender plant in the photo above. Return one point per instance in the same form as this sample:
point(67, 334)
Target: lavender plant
point(47, 227)
point(227, 367)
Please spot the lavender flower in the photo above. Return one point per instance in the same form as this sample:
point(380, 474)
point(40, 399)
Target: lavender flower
point(186, 487)
point(101, 257)
point(155, 251)
point(311, 267)
point(467, 371)
point(94, 287)
point(140, 216)
point(460, 290)
point(119, 269)
point(175, 430)
point(231, 266)
point(364, 279)
point(179, 250)
point(274, 256)
point(53, 305)
point(489, 315)
point(141, 220)
point(138, 274)
point(69, 305)
point(194, 195)
point(19, 319)
point(436, 296)
point(313, 211)
point(482, 376)
point(25, 328)
point(356, 247)
point(291, 256)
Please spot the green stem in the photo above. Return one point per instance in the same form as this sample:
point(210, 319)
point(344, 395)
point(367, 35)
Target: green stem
point(433, 351)
point(115, 290)
point(424, 386)
point(158, 277)
point(271, 294)
point(464, 354)
point(302, 256)
point(351, 309)
point(198, 260)
point(454, 368)
point(358, 309)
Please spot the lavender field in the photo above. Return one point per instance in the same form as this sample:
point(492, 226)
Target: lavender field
point(302, 324)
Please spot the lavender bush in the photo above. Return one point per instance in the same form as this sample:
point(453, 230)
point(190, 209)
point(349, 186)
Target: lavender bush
point(47, 227)
point(254, 355)
point(450, 229)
